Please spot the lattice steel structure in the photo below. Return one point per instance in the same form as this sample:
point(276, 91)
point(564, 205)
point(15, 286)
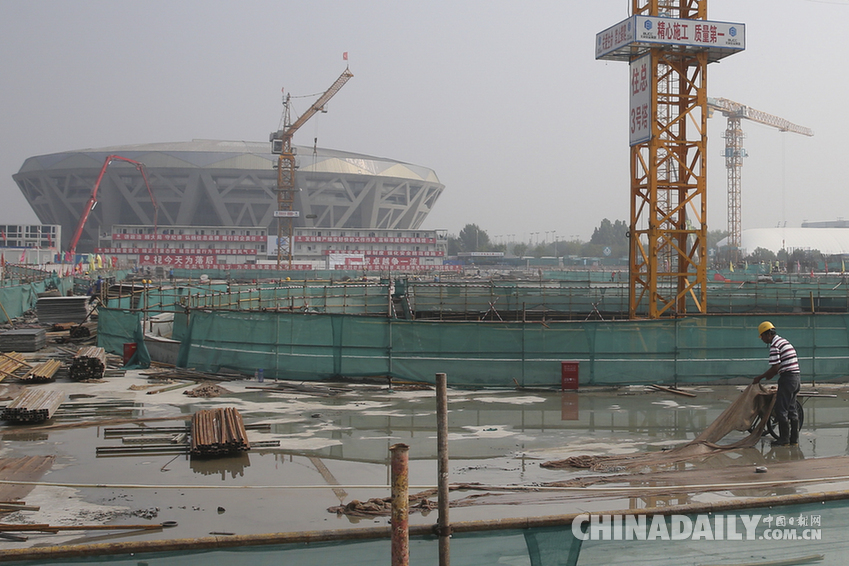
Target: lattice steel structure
point(225, 183)
point(734, 154)
point(668, 226)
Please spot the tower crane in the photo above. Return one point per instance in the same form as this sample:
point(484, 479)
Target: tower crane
point(734, 154)
point(281, 144)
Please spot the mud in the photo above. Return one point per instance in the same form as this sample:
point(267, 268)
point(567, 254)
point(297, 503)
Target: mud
point(333, 449)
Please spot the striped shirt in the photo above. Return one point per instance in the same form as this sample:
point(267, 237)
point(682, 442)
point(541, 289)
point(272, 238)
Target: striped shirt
point(783, 353)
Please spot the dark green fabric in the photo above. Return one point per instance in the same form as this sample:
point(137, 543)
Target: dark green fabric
point(116, 327)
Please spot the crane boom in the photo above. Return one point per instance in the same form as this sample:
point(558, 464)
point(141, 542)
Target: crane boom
point(731, 108)
point(92, 200)
point(281, 143)
point(319, 104)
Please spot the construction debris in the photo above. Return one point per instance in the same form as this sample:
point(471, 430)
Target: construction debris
point(33, 406)
point(23, 340)
point(218, 432)
point(190, 374)
point(206, 390)
point(674, 390)
point(88, 363)
point(382, 506)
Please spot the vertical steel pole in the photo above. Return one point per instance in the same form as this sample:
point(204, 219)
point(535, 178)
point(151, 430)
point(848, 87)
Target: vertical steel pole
point(443, 526)
point(400, 505)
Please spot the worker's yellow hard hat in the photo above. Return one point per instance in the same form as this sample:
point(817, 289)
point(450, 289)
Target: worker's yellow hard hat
point(764, 326)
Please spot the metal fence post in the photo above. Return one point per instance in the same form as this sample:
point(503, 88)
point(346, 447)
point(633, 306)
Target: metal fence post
point(443, 527)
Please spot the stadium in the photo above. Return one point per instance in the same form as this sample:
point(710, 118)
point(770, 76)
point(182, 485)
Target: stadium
point(224, 183)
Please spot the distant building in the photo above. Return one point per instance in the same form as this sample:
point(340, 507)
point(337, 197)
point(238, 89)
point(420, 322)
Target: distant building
point(829, 241)
point(237, 247)
point(839, 223)
point(373, 250)
point(44, 236)
point(185, 247)
point(224, 184)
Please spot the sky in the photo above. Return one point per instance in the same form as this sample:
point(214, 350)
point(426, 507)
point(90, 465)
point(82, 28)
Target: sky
point(503, 100)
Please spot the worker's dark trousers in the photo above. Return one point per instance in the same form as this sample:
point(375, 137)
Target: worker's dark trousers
point(785, 399)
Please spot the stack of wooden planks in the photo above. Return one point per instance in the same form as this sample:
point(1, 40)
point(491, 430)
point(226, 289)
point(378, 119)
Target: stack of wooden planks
point(43, 372)
point(23, 340)
point(218, 432)
point(88, 363)
point(10, 363)
point(33, 406)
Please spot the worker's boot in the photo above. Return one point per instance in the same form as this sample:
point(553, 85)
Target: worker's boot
point(783, 434)
point(794, 432)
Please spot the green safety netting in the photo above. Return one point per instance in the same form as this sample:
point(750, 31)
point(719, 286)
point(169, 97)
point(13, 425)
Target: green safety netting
point(695, 349)
point(18, 299)
point(117, 328)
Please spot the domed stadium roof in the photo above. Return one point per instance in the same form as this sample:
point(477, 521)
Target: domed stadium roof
point(225, 183)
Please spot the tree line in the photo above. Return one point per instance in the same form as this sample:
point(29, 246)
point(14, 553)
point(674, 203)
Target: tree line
point(614, 235)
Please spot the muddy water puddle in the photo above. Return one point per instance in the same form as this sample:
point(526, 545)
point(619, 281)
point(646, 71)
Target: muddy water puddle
point(332, 448)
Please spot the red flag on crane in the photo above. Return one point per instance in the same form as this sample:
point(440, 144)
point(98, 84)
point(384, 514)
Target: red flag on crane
point(345, 56)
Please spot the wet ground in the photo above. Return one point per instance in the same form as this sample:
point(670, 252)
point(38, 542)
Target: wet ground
point(334, 448)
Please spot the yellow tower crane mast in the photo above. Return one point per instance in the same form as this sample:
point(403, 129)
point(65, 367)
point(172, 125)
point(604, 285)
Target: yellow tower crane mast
point(734, 154)
point(281, 144)
point(668, 45)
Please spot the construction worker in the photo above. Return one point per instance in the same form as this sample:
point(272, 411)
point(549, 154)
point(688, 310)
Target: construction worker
point(783, 363)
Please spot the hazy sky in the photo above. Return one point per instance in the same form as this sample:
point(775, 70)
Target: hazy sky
point(504, 100)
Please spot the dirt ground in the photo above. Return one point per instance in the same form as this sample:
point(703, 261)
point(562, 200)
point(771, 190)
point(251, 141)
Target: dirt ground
point(334, 449)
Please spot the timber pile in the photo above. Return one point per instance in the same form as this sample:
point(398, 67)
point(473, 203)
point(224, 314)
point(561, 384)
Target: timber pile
point(218, 432)
point(23, 340)
point(33, 406)
point(43, 372)
point(88, 363)
point(10, 363)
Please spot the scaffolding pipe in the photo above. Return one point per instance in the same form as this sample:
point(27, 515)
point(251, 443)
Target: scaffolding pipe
point(443, 526)
point(400, 505)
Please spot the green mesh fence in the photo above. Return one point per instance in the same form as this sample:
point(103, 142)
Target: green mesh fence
point(512, 300)
point(696, 349)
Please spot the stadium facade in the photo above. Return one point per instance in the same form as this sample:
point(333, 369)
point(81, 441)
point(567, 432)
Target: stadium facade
point(224, 183)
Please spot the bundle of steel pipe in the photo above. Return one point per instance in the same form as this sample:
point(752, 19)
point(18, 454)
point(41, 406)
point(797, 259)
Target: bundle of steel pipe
point(88, 363)
point(10, 363)
point(33, 406)
point(218, 432)
point(43, 372)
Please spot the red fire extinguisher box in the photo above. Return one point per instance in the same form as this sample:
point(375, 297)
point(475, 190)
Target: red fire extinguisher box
point(129, 351)
point(569, 375)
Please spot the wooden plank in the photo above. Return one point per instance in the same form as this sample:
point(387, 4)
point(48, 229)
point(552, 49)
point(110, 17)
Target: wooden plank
point(672, 390)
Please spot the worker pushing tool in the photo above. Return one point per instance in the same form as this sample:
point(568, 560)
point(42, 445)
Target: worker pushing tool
point(784, 363)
